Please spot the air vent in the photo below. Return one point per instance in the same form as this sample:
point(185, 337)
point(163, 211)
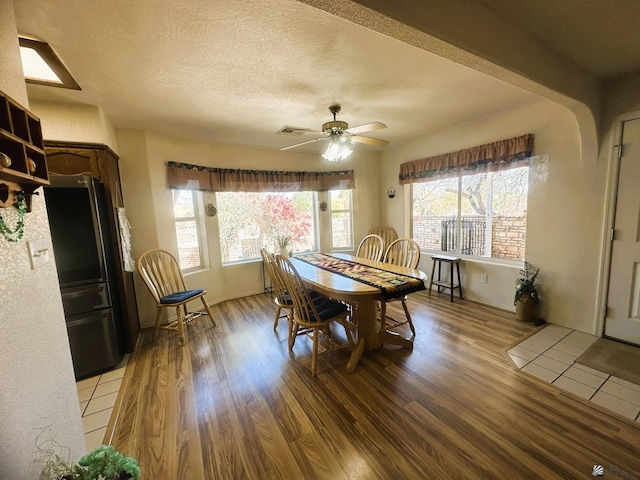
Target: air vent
point(292, 131)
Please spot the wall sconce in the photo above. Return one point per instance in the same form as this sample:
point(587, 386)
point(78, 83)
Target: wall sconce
point(211, 210)
point(323, 206)
point(391, 192)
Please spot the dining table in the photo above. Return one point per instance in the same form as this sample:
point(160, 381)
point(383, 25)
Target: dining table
point(361, 283)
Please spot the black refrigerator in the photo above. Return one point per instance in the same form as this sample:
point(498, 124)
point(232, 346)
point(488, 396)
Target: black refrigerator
point(84, 257)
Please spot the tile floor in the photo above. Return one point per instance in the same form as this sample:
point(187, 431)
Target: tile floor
point(97, 396)
point(550, 355)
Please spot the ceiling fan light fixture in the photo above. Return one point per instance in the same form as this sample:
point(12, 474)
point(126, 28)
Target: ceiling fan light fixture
point(340, 137)
point(338, 149)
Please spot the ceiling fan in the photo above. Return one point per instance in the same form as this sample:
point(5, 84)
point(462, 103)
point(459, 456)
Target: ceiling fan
point(340, 136)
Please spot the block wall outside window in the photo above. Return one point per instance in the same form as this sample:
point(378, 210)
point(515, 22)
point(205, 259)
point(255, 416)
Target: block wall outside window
point(482, 215)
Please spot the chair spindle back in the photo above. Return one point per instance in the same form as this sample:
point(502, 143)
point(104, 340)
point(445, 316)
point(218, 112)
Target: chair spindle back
point(404, 252)
point(304, 309)
point(388, 235)
point(371, 247)
point(279, 291)
point(161, 273)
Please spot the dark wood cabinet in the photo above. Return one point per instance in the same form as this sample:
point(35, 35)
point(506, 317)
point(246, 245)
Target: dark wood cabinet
point(100, 162)
point(23, 165)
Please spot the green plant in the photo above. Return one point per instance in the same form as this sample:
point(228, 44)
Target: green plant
point(103, 463)
point(526, 284)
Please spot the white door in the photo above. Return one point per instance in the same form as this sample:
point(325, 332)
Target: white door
point(623, 312)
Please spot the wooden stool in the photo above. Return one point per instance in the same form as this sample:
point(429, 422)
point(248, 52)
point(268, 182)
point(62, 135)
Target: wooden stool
point(439, 259)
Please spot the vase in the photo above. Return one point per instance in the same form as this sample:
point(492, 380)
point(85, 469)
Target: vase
point(283, 251)
point(526, 309)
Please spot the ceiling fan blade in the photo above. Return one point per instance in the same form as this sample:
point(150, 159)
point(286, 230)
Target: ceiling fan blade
point(369, 141)
point(366, 127)
point(303, 143)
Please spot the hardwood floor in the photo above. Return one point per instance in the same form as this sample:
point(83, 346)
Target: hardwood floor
point(232, 404)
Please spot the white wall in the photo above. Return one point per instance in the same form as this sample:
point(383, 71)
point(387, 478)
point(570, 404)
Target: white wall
point(74, 122)
point(38, 398)
point(621, 95)
point(565, 212)
point(143, 169)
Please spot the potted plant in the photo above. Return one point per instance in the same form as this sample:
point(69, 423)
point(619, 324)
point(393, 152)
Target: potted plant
point(103, 463)
point(526, 297)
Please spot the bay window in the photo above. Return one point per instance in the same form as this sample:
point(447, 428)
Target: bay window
point(266, 208)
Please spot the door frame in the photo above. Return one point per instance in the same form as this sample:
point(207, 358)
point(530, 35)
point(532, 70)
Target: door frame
point(611, 195)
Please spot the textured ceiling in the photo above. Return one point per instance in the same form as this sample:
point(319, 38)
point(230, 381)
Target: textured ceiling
point(235, 72)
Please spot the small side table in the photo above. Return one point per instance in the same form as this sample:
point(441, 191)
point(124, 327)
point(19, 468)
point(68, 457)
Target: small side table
point(452, 261)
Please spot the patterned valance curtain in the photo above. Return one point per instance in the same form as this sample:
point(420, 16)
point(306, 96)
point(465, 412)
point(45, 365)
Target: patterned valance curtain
point(492, 157)
point(194, 177)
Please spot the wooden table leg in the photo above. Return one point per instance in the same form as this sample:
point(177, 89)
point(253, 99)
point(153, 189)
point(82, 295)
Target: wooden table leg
point(367, 331)
point(366, 322)
point(355, 355)
point(394, 338)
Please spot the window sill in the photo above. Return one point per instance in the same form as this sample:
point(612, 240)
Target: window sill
point(195, 272)
point(242, 262)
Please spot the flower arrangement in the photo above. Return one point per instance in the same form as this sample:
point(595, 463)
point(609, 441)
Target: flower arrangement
point(103, 463)
point(283, 240)
point(526, 284)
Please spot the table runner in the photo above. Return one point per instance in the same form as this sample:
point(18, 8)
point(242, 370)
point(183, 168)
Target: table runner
point(391, 284)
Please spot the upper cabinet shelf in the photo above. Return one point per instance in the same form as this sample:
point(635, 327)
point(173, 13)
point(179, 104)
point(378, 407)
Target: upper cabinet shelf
point(23, 162)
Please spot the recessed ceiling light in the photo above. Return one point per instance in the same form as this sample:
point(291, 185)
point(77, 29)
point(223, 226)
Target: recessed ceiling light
point(41, 65)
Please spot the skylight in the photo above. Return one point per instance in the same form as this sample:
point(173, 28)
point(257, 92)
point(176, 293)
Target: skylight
point(41, 65)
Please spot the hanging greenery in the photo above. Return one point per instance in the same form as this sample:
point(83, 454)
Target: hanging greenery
point(15, 234)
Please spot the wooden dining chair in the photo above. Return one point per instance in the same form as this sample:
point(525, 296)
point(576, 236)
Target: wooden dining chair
point(388, 235)
point(162, 275)
point(371, 247)
point(313, 317)
point(404, 252)
point(281, 299)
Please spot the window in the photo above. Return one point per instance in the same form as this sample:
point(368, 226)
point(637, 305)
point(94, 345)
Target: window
point(483, 215)
point(186, 210)
point(250, 220)
point(341, 219)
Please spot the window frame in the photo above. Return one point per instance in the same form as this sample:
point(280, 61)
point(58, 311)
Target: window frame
point(409, 196)
point(198, 218)
point(351, 227)
point(315, 218)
